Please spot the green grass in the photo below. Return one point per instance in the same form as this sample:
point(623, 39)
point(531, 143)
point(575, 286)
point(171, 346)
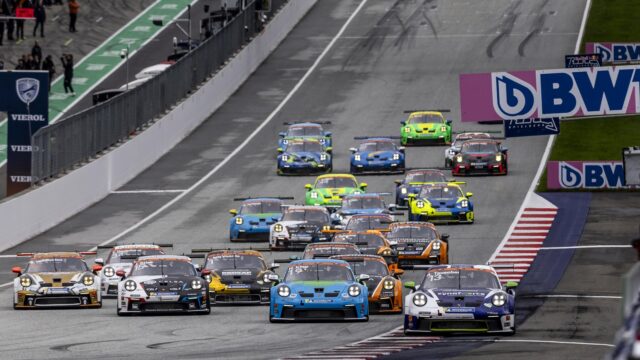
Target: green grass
point(601, 138)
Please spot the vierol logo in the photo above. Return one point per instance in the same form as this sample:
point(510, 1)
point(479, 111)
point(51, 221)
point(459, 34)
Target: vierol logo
point(512, 98)
point(27, 89)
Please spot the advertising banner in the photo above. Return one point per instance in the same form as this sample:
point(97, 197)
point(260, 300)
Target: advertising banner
point(531, 127)
point(616, 53)
point(585, 175)
point(550, 93)
point(24, 96)
point(581, 61)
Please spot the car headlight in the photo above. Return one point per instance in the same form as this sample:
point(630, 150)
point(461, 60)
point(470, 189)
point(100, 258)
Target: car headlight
point(284, 291)
point(403, 191)
point(130, 285)
point(443, 128)
point(278, 227)
point(459, 158)
point(323, 157)
point(109, 271)
point(436, 245)
point(354, 290)
point(357, 157)
point(239, 220)
point(285, 157)
point(420, 299)
point(499, 299)
point(87, 280)
point(285, 142)
point(388, 284)
point(25, 281)
point(420, 204)
point(464, 203)
point(498, 157)
point(386, 252)
point(407, 129)
point(208, 278)
point(314, 195)
point(396, 156)
point(196, 284)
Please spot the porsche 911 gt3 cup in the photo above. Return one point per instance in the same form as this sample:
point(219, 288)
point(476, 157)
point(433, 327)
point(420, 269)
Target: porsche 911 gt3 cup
point(326, 250)
point(300, 225)
point(328, 190)
point(419, 242)
point(56, 279)
point(377, 155)
point(460, 299)
point(255, 217)
point(161, 284)
point(426, 127)
point(481, 157)
point(413, 181)
point(305, 130)
point(359, 204)
point(450, 153)
point(441, 203)
point(304, 157)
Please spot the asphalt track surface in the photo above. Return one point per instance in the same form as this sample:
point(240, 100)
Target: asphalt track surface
point(394, 55)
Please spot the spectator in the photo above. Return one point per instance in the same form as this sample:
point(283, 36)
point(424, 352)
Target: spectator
point(41, 15)
point(36, 52)
point(67, 64)
point(19, 23)
point(33, 64)
point(11, 23)
point(73, 14)
point(1, 28)
point(49, 66)
point(1, 65)
point(20, 65)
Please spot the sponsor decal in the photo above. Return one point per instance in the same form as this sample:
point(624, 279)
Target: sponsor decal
point(531, 127)
point(20, 179)
point(28, 117)
point(585, 175)
point(550, 93)
point(27, 89)
point(615, 53)
point(580, 61)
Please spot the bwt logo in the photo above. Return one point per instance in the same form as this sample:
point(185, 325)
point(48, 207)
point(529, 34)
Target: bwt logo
point(596, 175)
point(567, 92)
point(617, 52)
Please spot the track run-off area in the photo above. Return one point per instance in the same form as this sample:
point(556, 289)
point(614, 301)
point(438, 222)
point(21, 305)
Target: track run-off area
point(358, 64)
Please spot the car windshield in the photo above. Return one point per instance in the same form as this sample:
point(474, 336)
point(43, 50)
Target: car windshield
point(459, 279)
point(261, 207)
point(363, 223)
point(307, 146)
point(163, 267)
point(295, 131)
point(336, 182)
point(413, 232)
point(318, 272)
point(444, 192)
point(58, 264)
point(326, 251)
point(130, 255)
point(308, 215)
point(362, 202)
point(234, 261)
point(369, 267)
point(377, 146)
point(467, 136)
point(372, 240)
point(425, 119)
point(479, 147)
point(425, 177)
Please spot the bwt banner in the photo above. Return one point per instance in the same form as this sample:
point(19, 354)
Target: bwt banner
point(615, 52)
point(24, 96)
point(585, 175)
point(550, 93)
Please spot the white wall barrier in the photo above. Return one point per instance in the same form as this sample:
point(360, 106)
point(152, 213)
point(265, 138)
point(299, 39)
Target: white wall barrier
point(36, 211)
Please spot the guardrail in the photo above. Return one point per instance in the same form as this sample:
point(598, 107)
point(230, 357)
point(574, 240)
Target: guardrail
point(75, 140)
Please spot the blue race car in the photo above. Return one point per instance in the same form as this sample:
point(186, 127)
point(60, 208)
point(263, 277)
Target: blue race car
point(460, 299)
point(413, 181)
point(441, 203)
point(306, 130)
point(377, 155)
point(255, 217)
point(359, 204)
point(320, 289)
point(304, 157)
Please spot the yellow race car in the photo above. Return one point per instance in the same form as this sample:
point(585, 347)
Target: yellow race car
point(441, 203)
point(56, 279)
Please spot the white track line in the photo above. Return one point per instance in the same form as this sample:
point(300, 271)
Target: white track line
point(248, 139)
point(586, 247)
point(5, 285)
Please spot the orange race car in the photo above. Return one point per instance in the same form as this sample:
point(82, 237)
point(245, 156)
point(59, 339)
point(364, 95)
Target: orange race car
point(385, 289)
point(371, 242)
point(419, 243)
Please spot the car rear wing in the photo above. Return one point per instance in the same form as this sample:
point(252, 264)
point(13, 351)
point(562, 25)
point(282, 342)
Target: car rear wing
point(341, 257)
point(111, 246)
point(482, 131)
point(31, 254)
point(427, 169)
point(306, 122)
point(264, 197)
point(420, 110)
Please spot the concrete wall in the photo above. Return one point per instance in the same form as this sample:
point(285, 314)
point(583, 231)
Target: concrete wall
point(36, 211)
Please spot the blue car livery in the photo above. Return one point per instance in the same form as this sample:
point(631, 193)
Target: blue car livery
point(306, 130)
point(359, 204)
point(413, 181)
point(321, 289)
point(255, 217)
point(377, 155)
point(304, 157)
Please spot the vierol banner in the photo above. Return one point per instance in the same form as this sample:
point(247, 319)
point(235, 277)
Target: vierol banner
point(551, 93)
point(531, 127)
point(24, 96)
point(616, 53)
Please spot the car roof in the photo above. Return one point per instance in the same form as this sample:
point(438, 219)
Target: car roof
point(331, 245)
point(235, 252)
point(481, 141)
point(164, 257)
point(412, 223)
point(470, 267)
point(59, 254)
point(306, 207)
point(306, 124)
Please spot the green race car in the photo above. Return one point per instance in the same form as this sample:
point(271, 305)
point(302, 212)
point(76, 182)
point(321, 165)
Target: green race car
point(329, 189)
point(426, 127)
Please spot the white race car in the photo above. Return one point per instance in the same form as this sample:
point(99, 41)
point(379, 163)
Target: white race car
point(450, 152)
point(299, 226)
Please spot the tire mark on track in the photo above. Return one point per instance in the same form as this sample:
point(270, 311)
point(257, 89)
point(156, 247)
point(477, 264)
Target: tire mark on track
point(536, 29)
point(506, 26)
point(67, 347)
point(161, 345)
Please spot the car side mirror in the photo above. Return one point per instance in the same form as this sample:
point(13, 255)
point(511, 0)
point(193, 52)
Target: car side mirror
point(280, 150)
point(403, 123)
point(412, 195)
point(294, 257)
point(511, 286)
point(363, 278)
point(353, 149)
point(329, 149)
point(504, 149)
point(398, 182)
point(96, 268)
point(449, 121)
point(99, 261)
point(273, 266)
point(401, 148)
point(121, 274)
point(410, 285)
point(16, 270)
point(233, 212)
point(363, 185)
point(469, 194)
point(271, 278)
point(392, 207)
point(445, 238)
point(308, 187)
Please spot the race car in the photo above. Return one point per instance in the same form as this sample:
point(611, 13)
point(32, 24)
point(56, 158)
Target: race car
point(238, 276)
point(328, 190)
point(304, 157)
point(378, 222)
point(163, 284)
point(385, 289)
point(372, 243)
point(325, 250)
point(359, 204)
point(299, 226)
point(56, 279)
point(121, 257)
point(413, 181)
point(450, 153)
point(376, 155)
point(255, 217)
point(478, 157)
point(305, 130)
point(460, 299)
point(425, 127)
point(419, 243)
point(320, 289)
point(441, 203)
